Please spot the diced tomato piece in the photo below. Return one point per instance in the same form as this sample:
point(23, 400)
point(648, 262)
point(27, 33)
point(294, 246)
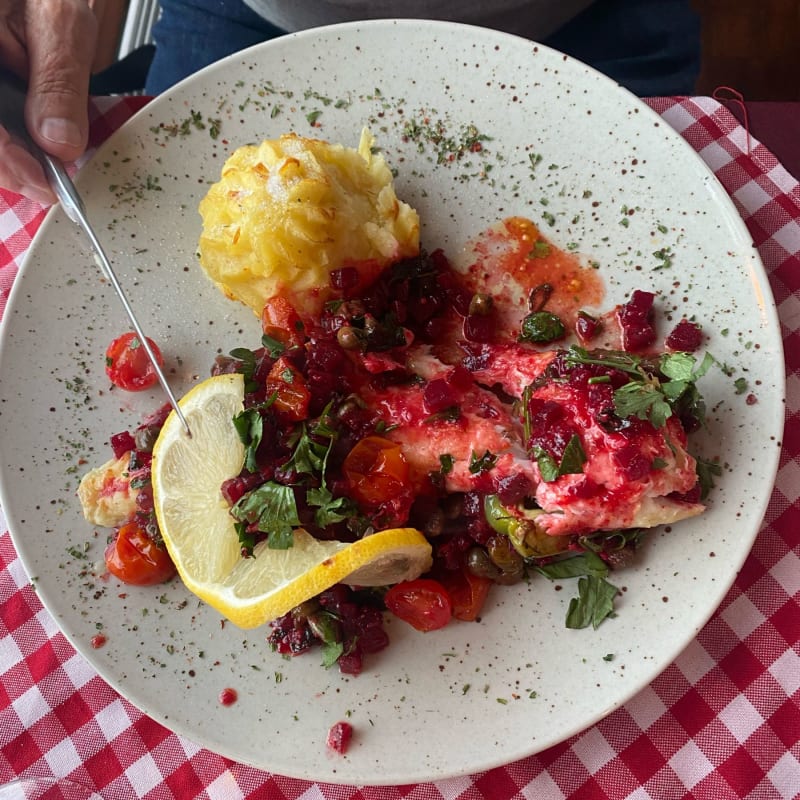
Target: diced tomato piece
point(467, 592)
point(127, 363)
point(423, 603)
point(376, 471)
point(135, 558)
point(288, 385)
point(280, 321)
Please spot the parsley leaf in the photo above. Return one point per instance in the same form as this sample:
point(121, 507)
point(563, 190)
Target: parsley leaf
point(247, 539)
point(572, 460)
point(594, 603)
point(588, 563)
point(547, 464)
point(330, 653)
point(273, 509)
point(308, 456)
point(481, 463)
point(249, 426)
point(247, 367)
point(706, 472)
point(330, 509)
point(643, 400)
point(274, 347)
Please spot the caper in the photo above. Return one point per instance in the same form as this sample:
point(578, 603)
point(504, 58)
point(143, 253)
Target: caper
point(325, 627)
point(305, 610)
point(434, 525)
point(479, 563)
point(481, 304)
point(453, 506)
point(145, 439)
point(348, 338)
point(502, 553)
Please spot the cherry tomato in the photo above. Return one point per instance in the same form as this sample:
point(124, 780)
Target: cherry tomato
point(376, 471)
point(467, 592)
point(135, 558)
point(423, 603)
point(280, 321)
point(127, 364)
point(288, 385)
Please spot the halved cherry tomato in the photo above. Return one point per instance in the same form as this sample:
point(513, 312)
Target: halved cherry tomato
point(135, 558)
point(127, 364)
point(423, 603)
point(376, 471)
point(280, 321)
point(467, 592)
point(288, 385)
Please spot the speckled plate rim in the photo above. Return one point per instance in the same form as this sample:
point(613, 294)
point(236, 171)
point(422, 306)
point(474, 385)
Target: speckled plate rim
point(476, 705)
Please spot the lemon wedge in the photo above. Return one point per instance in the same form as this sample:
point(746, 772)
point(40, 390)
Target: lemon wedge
point(199, 532)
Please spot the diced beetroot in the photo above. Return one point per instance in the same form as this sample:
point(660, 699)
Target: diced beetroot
point(235, 488)
point(339, 737)
point(425, 307)
point(460, 379)
point(122, 443)
point(351, 663)
point(686, 336)
point(344, 278)
point(479, 327)
point(512, 488)
point(636, 320)
point(632, 462)
point(587, 327)
point(438, 395)
point(157, 418)
point(373, 639)
point(582, 489)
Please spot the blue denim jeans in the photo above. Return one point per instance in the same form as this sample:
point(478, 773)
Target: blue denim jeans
point(652, 47)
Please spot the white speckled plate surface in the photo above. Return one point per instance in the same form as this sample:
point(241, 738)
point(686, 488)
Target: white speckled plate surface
point(471, 696)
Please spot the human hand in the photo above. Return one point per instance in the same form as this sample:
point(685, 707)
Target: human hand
point(51, 43)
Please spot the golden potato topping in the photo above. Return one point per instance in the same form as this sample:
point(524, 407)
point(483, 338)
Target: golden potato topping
point(288, 212)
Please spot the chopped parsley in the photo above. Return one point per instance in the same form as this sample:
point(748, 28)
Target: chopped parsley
point(595, 600)
point(571, 463)
point(482, 463)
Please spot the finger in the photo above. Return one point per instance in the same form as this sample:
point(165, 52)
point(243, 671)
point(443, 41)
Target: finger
point(61, 37)
point(21, 172)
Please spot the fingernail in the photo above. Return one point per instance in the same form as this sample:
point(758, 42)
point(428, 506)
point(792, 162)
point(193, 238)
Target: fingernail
point(61, 131)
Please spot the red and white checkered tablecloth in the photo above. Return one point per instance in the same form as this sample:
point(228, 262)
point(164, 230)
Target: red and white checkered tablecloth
point(722, 721)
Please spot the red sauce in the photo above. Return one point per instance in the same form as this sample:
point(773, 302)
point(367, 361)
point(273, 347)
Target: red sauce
point(516, 248)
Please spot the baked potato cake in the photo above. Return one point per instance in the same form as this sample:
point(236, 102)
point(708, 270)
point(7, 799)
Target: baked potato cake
point(288, 212)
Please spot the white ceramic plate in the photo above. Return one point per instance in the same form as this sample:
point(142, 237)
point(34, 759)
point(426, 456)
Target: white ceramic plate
point(471, 696)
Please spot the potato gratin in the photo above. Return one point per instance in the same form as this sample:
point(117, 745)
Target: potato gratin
point(288, 212)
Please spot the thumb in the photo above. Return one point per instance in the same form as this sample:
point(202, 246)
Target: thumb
point(61, 39)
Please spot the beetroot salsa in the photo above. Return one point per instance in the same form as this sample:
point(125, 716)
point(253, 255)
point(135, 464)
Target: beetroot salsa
point(415, 403)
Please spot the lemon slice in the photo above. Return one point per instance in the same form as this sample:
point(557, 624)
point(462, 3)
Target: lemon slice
point(198, 530)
